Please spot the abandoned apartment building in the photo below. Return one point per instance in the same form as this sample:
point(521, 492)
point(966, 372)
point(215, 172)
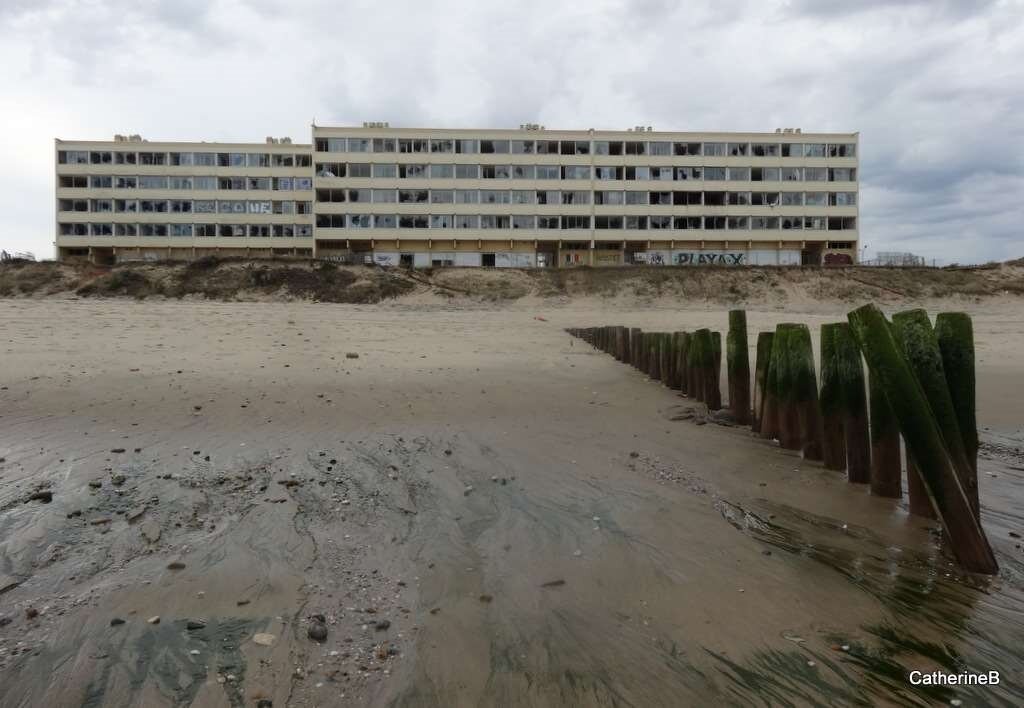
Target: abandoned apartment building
point(529, 197)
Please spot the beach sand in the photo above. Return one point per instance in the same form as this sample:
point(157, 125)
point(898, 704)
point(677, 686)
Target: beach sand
point(484, 510)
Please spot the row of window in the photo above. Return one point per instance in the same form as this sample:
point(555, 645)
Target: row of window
point(205, 230)
point(354, 170)
point(515, 196)
point(203, 159)
point(534, 222)
point(184, 206)
point(584, 147)
point(265, 184)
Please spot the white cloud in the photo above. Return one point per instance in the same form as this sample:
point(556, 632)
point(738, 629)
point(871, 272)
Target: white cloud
point(933, 87)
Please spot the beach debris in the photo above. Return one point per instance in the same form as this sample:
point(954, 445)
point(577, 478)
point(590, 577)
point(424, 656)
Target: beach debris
point(155, 619)
point(317, 631)
point(351, 355)
point(116, 621)
point(117, 450)
point(263, 639)
point(175, 565)
point(381, 625)
point(31, 612)
point(486, 598)
point(43, 495)
point(195, 624)
point(553, 583)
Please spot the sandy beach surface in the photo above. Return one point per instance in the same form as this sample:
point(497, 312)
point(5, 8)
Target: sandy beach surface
point(477, 510)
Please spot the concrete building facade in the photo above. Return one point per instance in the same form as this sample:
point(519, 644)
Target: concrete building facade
point(444, 197)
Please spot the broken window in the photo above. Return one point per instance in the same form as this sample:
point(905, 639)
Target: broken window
point(224, 159)
point(157, 206)
point(575, 147)
point(494, 221)
point(739, 174)
point(181, 230)
point(634, 223)
point(842, 198)
point(549, 197)
point(442, 146)
point(737, 149)
point(815, 174)
point(714, 198)
point(737, 223)
point(494, 147)
point(764, 222)
point(764, 198)
point(609, 198)
point(467, 221)
point(440, 196)
point(126, 230)
point(330, 169)
point(102, 182)
point(182, 206)
point(764, 149)
point(842, 223)
point(662, 173)
point(234, 183)
point(686, 198)
point(492, 196)
point(259, 183)
point(636, 148)
point(714, 222)
point(283, 231)
point(814, 222)
point(841, 174)
point(467, 171)
point(152, 229)
point(100, 158)
point(687, 148)
point(791, 174)
point(283, 184)
point(522, 147)
point(385, 221)
point(358, 221)
point(125, 158)
point(686, 222)
point(284, 207)
point(606, 222)
point(547, 222)
point(685, 173)
point(638, 173)
point(575, 172)
point(73, 205)
point(405, 196)
point(575, 197)
point(659, 222)
point(331, 145)
point(283, 160)
point(496, 171)
point(74, 229)
point(413, 221)
point(814, 150)
point(412, 171)
point(739, 198)
point(575, 222)
point(607, 172)
point(73, 181)
point(102, 230)
point(792, 149)
point(547, 147)
point(126, 182)
point(102, 205)
point(524, 222)
point(790, 223)
point(303, 230)
point(129, 206)
point(842, 149)
point(659, 198)
point(524, 172)
point(303, 184)
point(330, 221)
point(764, 174)
point(152, 158)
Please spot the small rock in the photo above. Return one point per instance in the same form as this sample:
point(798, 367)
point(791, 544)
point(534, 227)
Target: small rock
point(467, 490)
point(351, 355)
point(95, 484)
point(117, 450)
point(382, 625)
point(116, 621)
point(118, 479)
point(175, 565)
point(265, 703)
point(486, 598)
point(45, 496)
point(1014, 534)
point(194, 652)
point(553, 583)
point(634, 454)
point(263, 639)
point(317, 631)
point(31, 613)
point(240, 603)
point(195, 624)
point(155, 619)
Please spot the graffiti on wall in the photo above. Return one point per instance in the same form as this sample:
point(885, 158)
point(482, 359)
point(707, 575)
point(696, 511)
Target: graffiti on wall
point(710, 258)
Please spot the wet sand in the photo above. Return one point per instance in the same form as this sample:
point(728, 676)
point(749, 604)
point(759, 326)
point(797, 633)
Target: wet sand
point(483, 510)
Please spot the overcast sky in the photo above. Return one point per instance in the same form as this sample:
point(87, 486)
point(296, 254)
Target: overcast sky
point(936, 88)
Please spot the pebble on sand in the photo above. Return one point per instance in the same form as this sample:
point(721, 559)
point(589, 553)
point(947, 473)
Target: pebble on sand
point(317, 631)
point(175, 565)
point(155, 619)
point(263, 639)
